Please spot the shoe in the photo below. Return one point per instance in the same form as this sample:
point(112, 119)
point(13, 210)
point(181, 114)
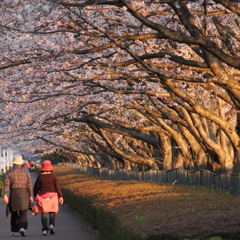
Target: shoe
point(51, 229)
point(14, 234)
point(44, 233)
point(22, 232)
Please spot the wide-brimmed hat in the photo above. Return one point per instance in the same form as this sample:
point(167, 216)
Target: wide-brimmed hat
point(46, 166)
point(18, 160)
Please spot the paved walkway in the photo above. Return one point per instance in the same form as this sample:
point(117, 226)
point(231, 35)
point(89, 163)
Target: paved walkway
point(68, 225)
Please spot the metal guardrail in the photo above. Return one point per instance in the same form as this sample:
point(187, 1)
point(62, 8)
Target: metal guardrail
point(6, 157)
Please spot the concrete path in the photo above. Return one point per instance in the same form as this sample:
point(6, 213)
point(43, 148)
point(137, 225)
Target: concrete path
point(68, 225)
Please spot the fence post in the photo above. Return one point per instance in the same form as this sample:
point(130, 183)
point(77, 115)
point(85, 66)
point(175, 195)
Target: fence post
point(4, 160)
point(7, 159)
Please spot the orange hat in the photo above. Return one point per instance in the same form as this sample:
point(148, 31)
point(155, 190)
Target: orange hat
point(46, 166)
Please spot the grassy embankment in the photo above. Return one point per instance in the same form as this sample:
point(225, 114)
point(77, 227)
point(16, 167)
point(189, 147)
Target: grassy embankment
point(149, 211)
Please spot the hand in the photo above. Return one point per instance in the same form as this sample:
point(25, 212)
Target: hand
point(6, 199)
point(60, 200)
point(31, 199)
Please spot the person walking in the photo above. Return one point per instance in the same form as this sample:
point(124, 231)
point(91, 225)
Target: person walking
point(18, 195)
point(48, 195)
point(29, 165)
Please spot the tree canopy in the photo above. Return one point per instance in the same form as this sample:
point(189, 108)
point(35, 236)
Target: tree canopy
point(123, 83)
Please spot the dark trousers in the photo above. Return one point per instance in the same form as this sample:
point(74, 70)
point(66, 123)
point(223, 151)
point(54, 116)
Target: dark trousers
point(19, 220)
point(44, 219)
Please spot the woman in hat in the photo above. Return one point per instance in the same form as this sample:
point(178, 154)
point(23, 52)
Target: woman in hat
point(47, 194)
point(18, 195)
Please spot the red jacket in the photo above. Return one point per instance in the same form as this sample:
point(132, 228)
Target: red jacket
point(47, 202)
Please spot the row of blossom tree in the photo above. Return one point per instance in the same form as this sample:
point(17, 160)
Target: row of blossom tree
point(123, 82)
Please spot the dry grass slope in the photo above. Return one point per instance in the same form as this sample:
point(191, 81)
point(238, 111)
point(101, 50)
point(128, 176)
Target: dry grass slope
point(150, 210)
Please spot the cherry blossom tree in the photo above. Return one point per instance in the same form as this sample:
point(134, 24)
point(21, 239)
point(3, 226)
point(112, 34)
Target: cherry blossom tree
point(123, 83)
